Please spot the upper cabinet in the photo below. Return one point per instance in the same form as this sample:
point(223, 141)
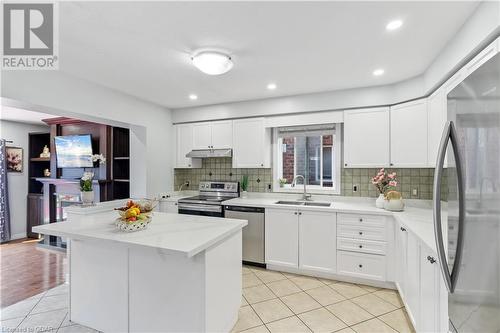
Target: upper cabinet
point(436, 119)
point(185, 143)
point(251, 143)
point(215, 134)
point(409, 134)
point(366, 138)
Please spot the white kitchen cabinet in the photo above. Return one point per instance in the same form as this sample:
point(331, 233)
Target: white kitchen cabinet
point(185, 143)
point(282, 237)
point(401, 246)
point(168, 206)
point(412, 278)
point(251, 143)
point(366, 138)
point(317, 241)
point(215, 134)
point(436, 120)
point(430, 293)
point(409, 134)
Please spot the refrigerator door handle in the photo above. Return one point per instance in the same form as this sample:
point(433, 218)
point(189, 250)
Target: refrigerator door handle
point(449, 134)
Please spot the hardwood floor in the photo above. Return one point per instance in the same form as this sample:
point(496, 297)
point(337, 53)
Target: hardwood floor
point(27, 270)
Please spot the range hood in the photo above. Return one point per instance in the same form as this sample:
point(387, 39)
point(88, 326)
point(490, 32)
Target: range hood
point(206, 153)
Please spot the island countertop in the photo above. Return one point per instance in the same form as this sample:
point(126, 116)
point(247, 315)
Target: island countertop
point(176, 233)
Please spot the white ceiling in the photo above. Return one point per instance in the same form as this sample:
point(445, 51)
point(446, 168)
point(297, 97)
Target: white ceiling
point(143, 49)
point(23, 116)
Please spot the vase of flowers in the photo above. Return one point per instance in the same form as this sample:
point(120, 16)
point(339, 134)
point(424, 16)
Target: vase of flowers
point(383, 182)
point(86, 190)
point(282, 182)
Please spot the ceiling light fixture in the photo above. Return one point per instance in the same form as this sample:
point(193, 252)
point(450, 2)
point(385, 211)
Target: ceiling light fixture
point(272, 86)
point(212, 62)
point(378, 72)
point(193, 97)
point(394, 25)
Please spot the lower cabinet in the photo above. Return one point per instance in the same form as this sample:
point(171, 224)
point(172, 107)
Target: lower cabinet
point(301, 239)
point(317, 238)
point(34, 213)
point(420, 283)
point(282, 237)
point(168, 207)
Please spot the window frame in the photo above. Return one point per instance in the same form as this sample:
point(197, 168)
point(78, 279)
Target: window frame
point(315, 189)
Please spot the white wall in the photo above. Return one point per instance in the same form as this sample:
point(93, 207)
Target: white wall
point(479, 30)
point(18, 182)
point(57, 93)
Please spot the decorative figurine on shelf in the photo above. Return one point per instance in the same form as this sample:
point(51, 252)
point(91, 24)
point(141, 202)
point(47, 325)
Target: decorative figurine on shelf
point(45, 152)
point(46, 173)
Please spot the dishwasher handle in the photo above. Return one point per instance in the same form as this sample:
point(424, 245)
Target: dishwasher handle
point(244, 209)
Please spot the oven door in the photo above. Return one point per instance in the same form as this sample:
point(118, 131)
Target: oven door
point(200, 209)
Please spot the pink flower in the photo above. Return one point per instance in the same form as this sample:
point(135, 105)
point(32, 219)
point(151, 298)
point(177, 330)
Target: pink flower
point(392, 175)
point(393, 183)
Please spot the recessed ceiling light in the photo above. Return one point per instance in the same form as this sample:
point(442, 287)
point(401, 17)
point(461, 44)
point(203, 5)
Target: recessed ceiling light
point(378, 72)
point(272, 86)
point(393, 25)
point(212, 62)
point(193, 97)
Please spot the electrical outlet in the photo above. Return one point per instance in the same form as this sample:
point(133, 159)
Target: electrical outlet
point(355, 188)
point(414, 192)
point(187, 183)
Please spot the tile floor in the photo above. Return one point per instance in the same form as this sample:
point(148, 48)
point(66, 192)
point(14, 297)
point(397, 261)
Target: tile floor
point(271, 302)
point(282, 302)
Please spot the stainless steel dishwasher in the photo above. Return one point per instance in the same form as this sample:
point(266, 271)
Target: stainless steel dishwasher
point(253, 233)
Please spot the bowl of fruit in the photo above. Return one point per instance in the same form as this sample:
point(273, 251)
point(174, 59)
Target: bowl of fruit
point(136, 215)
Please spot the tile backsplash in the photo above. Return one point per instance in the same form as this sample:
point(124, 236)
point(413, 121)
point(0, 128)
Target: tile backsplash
point(419, 179)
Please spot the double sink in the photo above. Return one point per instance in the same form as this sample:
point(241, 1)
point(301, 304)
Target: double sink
point(304, 203)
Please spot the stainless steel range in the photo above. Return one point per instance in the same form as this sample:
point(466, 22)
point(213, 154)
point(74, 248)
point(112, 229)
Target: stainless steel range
point(209, 201)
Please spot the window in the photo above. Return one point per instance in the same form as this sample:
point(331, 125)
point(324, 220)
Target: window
point(310, 151)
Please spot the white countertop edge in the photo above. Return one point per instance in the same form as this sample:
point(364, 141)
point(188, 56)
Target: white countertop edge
point(190, 253)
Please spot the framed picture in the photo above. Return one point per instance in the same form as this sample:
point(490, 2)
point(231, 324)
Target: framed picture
point(14, 159)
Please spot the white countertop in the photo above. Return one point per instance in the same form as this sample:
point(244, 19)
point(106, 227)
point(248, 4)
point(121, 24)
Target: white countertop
point(177, 233)
point(417, 220)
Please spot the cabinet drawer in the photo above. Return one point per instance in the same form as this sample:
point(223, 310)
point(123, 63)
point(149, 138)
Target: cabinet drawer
point(362, 220)
point(367, 266)
point(361, 245)
point(360, 232)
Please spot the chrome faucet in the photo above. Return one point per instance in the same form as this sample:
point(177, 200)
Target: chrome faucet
point(306, 196)
point(182, 185)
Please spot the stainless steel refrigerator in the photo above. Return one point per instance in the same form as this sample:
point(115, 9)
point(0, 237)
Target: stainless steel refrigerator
point(467, 220)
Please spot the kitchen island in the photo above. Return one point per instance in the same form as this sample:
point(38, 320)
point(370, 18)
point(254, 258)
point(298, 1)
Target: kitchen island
point(181, 274)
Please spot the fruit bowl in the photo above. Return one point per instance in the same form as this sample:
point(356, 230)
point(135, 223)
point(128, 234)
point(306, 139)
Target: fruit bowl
point(136, 215)
point(123, 225)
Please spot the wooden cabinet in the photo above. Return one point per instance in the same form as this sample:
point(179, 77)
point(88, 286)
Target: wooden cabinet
point(215, 134)
point(35, 213)
point(366, 138)
point(185, 143)
point(282, 237)
point(317, 241)
point(251, 144)
point(408, 127)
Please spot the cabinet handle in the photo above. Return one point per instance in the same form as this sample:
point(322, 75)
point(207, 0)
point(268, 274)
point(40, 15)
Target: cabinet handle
point(360, 266)
point(360, 220)
point(392, 164)
point(431, 259)
point(402, 229)
point(360, 232)
point(295, 213)
point(189, 165)
point(361, 246)
point(300, 213)
point(175, 204)
point(262, 164)
point(345, 164)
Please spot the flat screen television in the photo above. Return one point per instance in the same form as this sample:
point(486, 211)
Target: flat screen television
point(74, 151)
